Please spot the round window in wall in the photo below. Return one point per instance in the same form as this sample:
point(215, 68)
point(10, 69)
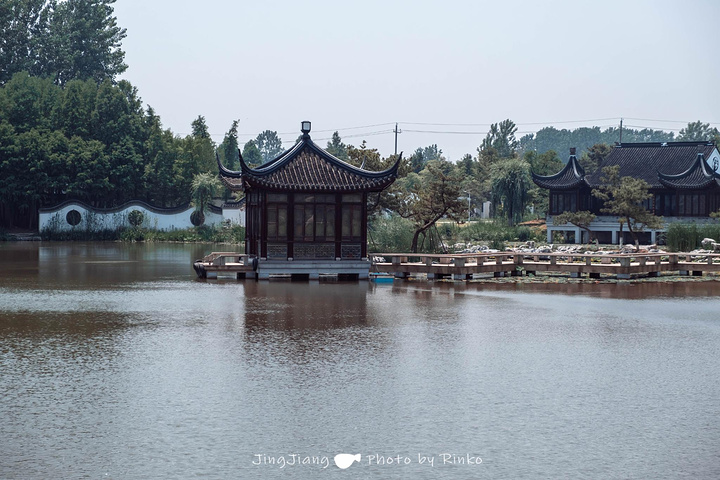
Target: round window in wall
point(197, 218)
point(136, 218)
point(73, 217)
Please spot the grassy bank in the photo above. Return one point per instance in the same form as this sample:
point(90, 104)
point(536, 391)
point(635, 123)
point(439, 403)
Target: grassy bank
point(394, 234)
point(216, 234)
point(688, 237)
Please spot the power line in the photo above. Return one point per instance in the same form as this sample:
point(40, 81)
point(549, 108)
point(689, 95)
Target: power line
point(440, 131)
point(668, 121)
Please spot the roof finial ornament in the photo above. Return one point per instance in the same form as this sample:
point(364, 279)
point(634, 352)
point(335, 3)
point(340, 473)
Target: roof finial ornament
point(305, 129)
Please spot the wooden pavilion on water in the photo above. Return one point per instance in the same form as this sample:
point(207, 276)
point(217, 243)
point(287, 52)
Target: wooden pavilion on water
point(306, 211)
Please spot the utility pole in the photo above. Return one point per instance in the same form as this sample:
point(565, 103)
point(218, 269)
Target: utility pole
point(621, 129)
point(396, 134)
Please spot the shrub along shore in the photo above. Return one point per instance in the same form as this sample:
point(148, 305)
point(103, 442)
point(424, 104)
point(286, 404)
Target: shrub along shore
point(385, 234)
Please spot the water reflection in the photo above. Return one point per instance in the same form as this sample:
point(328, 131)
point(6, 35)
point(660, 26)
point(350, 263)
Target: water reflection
point(118, 363)
point(287, 305)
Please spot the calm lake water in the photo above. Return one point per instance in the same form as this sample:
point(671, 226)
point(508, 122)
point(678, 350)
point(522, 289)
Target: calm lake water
point(116, 363)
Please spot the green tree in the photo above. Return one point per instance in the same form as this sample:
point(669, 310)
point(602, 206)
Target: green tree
point(550, 138)
point(337, 148)
point(591, 159)
point(624, 197)
point(73, 112)
point(27, 102)
point(698, 132)
point(205, 186)
point(196, 155)
point(466, 165)
point(82, 42)
point(161, 151)
point(229, 147)
point(543, 164)
point(511, 181)
point(417, 161)
point(436, 196)
point(118, 115)
point(89, 172)
point(23, 28)
point(200, 128)
point(581, 219)
point(501, 137)
point(367, 158)
point(269, 144)
point(251, 154)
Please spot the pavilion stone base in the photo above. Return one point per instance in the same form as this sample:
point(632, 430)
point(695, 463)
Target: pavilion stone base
point(313, 269)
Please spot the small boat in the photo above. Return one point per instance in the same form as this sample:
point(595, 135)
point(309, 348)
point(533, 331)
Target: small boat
point(381, 278)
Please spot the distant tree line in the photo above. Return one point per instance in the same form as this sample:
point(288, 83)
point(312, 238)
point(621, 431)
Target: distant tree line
point(70, 130)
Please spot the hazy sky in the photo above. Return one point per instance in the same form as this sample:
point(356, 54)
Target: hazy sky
point(432, 66)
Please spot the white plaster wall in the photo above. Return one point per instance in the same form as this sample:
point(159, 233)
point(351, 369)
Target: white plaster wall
point(235, 215)
point(714, 156)
point(604, 223)
point(104, 220)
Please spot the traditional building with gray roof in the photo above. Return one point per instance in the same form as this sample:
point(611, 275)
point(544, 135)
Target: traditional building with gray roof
point(307, 210)
point(683, 179)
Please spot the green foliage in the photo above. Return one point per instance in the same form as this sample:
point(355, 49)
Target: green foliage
point(495, 233)
point(135, 218)
point(269, 145)
point(422, 156)
point(233, 234)
point(337, 148)
point(367, 158)
point(687, 237)
point(434, 197)
point(205, 186)
point(698, 132)
point(389, 234)
point(511, 181)
point(251, 154)
point(228, 149)
point(624, 197)
point(581, 219)
point(60, 40)
point(550, 138)
point(543, 164)
point(591, 159)
point(501, 139)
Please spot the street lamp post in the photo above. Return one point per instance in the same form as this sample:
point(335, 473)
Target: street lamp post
point(469, 200)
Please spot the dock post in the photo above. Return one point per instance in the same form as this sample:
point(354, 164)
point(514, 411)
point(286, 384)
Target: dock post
point(624, 263)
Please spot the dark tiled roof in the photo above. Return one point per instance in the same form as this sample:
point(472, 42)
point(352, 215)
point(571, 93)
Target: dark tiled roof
point(571, 176)
point(307, 167)
point(236, 204)
point(649, 160)
point(699, 175)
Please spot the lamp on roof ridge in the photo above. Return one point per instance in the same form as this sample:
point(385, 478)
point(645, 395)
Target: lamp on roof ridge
point(305, 127)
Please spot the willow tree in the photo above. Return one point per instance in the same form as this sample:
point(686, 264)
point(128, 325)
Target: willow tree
point(510, 180)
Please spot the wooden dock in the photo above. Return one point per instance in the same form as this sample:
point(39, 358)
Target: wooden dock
point(226, 264)
point(463, 266)
point(622, 266)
